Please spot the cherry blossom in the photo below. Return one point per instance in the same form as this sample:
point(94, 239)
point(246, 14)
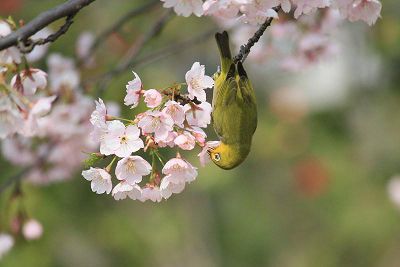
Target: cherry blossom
point(120, 140)
point(176, 111)
point(185, 141)
point(10, 117)
point(133, 89)
point(6, 243)
point(32, 230)
point(185, 7)
point(132, 169)
point(197, 81)
point(99, 115)
point(62, 73)
point(168, 188)
point(83, 46)
point(152, 98)
point(158, 123)
point(124, 189)
point(28, 81)
point(198, 115)
point(152, 193)
point(179, 171)
point(100, 180)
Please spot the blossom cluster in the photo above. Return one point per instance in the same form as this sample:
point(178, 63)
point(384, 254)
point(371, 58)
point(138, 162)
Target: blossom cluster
point(172, 119)
point(256, 11)
point(43, 115)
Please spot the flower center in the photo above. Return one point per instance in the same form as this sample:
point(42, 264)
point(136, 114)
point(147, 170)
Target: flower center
point(131, 166)
point(123, 139)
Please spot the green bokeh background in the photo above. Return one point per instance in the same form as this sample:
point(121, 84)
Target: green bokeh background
point(312, 193)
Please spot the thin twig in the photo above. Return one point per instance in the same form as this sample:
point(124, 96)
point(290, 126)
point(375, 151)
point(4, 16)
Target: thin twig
point(245, 49)
point(67, 9)
point(117, 25)
point(104, 79)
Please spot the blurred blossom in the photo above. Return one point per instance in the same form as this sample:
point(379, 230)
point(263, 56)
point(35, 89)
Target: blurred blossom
point(62, 73)
point(40, 50)
point(6, 243)
point(10, 55)
point(185, 7)
point(32, 230)
point(83, 47)
point(393, 188)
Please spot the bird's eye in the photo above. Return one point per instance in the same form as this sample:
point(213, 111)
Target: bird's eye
point(217, 157)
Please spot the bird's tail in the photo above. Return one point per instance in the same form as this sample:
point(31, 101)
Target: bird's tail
point(224, 50)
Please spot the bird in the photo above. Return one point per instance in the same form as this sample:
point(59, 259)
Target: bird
point(234, 114)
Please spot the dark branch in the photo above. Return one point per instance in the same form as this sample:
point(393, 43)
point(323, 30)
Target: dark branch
point(67, 9)
point(117, 25)
point(245, 49)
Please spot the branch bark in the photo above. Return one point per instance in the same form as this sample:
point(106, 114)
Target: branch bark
point(68, 9)
point(245, 49)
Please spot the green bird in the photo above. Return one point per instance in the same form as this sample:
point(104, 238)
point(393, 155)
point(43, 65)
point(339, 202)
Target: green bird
point(234, 115)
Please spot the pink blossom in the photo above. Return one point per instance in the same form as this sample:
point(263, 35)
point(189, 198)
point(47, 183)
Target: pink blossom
point(152, 98)
point(169, 141)
point(366, 10)
point(227, 9)
point(124, 189)
point(83, 46)
point(133, 89)
point(197, 81)
point(198, 115)
point(29, 81)
point(98, 116)
point(62, 73)
point(185, 141)
point(185, 7)
point(10, 117)
point(176, 111)
point(198, 134)
point(32, 230)
point(168, 188)
point(132, 169)
point(17, 150)
point(150, 192)
point(158, 123)
point(179, 171)
point(120, 140)
point(100, 180)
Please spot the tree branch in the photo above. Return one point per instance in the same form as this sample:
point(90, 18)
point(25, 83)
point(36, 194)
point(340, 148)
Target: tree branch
point(117, 25)
point(14, 179)
point(68, 9)
point(245, 49)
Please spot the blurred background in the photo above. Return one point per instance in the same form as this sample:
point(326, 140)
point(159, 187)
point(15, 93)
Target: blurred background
point(313, 191)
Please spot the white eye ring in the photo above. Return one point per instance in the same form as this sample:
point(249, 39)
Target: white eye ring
point(217, 157)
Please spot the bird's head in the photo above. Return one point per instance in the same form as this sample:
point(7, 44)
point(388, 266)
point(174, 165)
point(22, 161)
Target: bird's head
point(227, 156)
